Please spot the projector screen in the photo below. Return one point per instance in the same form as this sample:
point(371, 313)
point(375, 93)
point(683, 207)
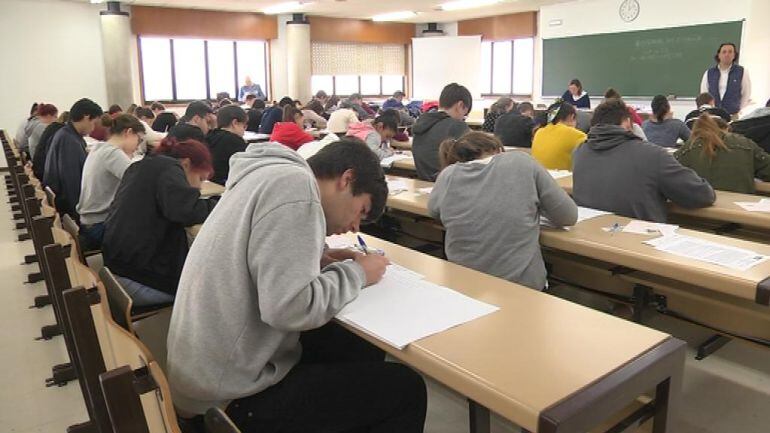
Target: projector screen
point(440, 60)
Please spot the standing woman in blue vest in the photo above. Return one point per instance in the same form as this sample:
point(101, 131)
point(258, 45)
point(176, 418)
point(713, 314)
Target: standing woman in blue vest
point(727, 81)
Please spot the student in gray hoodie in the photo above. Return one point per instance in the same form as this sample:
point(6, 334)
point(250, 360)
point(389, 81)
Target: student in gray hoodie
point(249, 330)
point(434, 127)
point(616, 171)
point(491, 202)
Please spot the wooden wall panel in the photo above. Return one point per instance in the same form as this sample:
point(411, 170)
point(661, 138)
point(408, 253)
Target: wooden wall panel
point(500, 28)
point(155, 21)
point(324, 29)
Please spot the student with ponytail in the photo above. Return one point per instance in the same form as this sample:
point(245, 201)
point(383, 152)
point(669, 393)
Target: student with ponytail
point(290, 131)
point(662, 129)
point(728, 161)
point(145, 242)
point(553, 144)
point(490, 203)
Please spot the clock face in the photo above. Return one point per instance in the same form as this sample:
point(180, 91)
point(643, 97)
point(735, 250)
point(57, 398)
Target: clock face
point(629, 10)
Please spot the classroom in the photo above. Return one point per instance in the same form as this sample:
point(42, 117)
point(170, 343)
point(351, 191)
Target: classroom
point(337, 216)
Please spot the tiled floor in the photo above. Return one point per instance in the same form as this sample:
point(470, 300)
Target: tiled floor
point(727, 392)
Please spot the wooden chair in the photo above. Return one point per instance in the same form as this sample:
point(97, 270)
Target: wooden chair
point(72, 228)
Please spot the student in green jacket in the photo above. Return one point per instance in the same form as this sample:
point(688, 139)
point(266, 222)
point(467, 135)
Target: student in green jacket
point(729, 162)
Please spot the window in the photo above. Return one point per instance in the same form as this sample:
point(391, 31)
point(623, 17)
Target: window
point(346, 84)
point(392, 83)
point(370, 85)
point(369, 69)
point(507, 67)
point(321, 82)
point(178, 70)
point(366, 85)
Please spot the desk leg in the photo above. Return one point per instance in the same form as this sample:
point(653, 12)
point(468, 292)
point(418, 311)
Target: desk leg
point(479, 418)
point(661, 417)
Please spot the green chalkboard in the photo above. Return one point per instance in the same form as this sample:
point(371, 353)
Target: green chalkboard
point(640, 63)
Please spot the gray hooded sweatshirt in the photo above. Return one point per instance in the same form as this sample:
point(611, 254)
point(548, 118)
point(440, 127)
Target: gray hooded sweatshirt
point(252, 282)
point(616, 171)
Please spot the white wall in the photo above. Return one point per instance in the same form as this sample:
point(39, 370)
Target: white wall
point(278, 61)
point(51, 52)
point(601, 16)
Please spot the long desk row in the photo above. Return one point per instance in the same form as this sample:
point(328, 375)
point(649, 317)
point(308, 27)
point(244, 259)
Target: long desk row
point(723, 217)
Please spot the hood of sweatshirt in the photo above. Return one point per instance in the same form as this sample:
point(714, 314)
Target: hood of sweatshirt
point(259, 155)
point(360, 130)
point(428, 121)
point(604, 137)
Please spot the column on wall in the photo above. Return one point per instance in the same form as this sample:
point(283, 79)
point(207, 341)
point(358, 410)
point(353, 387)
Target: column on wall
point(116, 46)
point(298, 57)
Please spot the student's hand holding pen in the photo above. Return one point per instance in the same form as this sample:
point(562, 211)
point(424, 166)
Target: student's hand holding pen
point(374, 264)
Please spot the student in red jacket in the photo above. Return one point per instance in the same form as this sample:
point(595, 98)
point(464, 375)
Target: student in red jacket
point(290, 132)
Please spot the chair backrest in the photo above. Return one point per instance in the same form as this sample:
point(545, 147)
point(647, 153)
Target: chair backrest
point(72, 228)
point(51, 197)
point(217, 421)
point(120, 302)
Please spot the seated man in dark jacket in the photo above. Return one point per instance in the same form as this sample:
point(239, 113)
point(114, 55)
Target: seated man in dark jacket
point(67, 155)
point(273, 115)
point(41, 152)
point(516, 127)
point(255, 115)
point(616, 171)
point(226, 140)
point(433, 127)
point(145, 242)
point(705, 104)
point(196, 123)
point(756, 126)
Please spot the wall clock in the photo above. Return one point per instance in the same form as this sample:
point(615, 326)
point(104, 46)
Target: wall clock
point(629, 10)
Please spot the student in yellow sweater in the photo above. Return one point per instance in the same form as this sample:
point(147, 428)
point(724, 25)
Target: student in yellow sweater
point(553, 145)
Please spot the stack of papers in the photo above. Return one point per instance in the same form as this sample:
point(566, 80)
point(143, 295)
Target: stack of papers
point(558, 174)
point(707, 251)
point(760, 206)
point(649, 228)
point(427, 190)
point(403, 308)
point(396, 186)
point(388, 161)
point(584, 213)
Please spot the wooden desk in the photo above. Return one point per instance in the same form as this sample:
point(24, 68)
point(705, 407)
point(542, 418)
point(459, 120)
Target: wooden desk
point(209, 188)
point(588, 240)
point(546, 364)
point(405, 164)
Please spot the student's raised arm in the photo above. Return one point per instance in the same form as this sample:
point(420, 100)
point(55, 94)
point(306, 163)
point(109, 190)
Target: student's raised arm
point(682, 185)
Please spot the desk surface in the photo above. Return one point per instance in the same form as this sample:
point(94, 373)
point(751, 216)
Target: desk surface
point(589, 240)
point(209, 188)
point(535, 352)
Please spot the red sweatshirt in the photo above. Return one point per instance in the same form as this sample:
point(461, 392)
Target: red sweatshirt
point(290, 135)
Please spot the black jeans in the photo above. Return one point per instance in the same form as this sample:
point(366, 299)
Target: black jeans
point(341, 384)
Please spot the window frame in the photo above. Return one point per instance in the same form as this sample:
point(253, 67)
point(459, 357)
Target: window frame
point(513, 61)
point(381, 95)
point(209, 96)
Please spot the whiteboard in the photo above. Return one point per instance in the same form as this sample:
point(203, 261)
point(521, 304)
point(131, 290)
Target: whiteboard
point(440, 60)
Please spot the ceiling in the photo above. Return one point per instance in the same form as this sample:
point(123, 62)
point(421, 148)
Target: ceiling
point(363, 9)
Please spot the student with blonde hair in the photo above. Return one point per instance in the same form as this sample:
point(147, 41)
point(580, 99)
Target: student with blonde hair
point(728, 161)
point(490, 203)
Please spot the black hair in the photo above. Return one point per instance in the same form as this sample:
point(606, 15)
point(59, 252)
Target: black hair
point(611, 93)
point(610, 112)
point(251, 96)
point(316, 106)
point(577, 83)
point(767, 104)
point(114, 109)
point(85, 107)
point(228, 113)
point(197, 108)
point(141, 112)
point(223, 95)
point(389, 119)
point(321, 94)
point(157, 106)
point(164, 121)
point(258, 104)
point(123, 122)
point(454, 93)
point(353, 154)
point(285, 101)
point(560, 111)
point(703, 99)
point(660, 107)
point(33, 110)
point(398, 94)
point(524, 107)
point(735, 48)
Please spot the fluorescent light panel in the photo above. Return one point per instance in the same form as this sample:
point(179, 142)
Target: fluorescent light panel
point(466, 4)
point(394, 16)
point(286, 7)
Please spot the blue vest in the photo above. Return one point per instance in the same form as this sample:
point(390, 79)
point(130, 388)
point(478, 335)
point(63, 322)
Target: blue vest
point(731, 102)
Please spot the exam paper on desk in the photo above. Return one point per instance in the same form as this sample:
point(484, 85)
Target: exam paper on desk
point(707, 251)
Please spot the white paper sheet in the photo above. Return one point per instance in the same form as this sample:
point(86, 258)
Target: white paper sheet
point(427, 190)
point(253, 136)
point(706, 251)
point(584, 213)
point(558, 174)
point(759, 206)
point(403, 308)
point(396, 186)
point(650, 228)
point(388, 161)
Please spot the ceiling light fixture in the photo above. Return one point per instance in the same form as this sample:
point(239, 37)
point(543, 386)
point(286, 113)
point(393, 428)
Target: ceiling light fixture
point(394, 16)
point(284, 8)
point(466, 4)
point(93, 2)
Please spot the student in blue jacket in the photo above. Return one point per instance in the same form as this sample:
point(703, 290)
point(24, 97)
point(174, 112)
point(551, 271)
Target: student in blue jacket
point(575, 95)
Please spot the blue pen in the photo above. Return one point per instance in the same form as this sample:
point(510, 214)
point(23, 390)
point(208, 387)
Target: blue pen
point(362, 244)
